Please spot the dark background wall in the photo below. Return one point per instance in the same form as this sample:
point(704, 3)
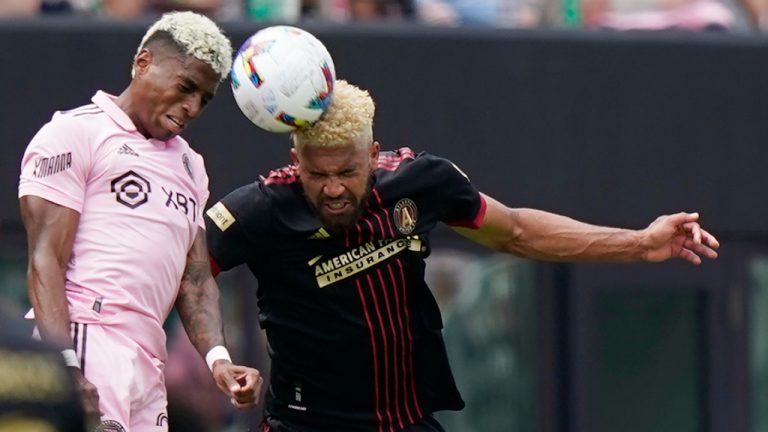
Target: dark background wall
point(610, 128)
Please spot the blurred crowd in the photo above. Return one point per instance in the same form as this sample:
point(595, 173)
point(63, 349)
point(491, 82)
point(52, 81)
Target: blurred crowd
point(689, 15)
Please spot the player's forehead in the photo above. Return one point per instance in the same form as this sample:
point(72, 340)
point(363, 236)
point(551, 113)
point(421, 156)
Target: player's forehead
point(331, 160)
point(187, 69)
point(199, 73)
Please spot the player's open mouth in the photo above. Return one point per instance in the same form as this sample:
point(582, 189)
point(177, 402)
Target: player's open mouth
point(336, 207)
point(177, 125)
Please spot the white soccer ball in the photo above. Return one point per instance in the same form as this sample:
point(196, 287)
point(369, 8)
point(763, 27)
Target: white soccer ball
point(282, 78)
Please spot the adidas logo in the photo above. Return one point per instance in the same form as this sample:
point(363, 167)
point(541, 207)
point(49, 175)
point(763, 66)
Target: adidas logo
point(320, 234)
point(127, 150)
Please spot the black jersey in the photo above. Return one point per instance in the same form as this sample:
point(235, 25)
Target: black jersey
point(354, 332)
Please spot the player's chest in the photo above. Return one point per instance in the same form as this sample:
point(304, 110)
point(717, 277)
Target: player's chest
point(135, 175)
point(329, 263)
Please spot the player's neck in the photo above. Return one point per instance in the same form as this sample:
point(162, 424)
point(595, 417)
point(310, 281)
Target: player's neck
point(126, 103)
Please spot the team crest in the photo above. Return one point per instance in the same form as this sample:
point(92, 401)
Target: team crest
point(405, 215)
point(187, 166)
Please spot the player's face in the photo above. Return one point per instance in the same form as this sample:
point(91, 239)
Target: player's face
point(171, 90)
point(337, 181)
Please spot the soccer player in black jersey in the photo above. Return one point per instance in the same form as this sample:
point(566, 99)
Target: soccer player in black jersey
point(337, 241)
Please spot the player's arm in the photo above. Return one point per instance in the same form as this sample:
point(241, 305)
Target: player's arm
point(50, 235)
point(546, 236)
point(200, 313)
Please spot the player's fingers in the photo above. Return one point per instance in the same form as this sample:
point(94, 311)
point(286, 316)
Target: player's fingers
point(700, 249)
point(247, 386)
point(709, 239)
point(689, 256)
point(90, 397)
point(257, 387)
point(248, 378)
point(682, 218)
point(695, 229)
point(242, 405)
point(228, 381)
point(245, 398)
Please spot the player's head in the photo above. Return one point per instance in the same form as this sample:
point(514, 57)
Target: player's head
point(336, 157)
point(176, 70)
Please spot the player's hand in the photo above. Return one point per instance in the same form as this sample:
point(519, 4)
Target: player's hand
point(242, 384)
point(678, 236)
point(89, 396)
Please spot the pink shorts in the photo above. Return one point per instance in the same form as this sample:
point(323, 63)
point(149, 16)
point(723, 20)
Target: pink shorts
point(130, 381)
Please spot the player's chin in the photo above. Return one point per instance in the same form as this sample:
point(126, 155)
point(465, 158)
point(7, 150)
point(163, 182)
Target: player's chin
point(164, 134)
point(338, 223)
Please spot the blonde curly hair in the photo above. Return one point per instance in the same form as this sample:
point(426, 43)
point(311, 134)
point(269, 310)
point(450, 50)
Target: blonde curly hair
point(195, 35)
point(348, 118)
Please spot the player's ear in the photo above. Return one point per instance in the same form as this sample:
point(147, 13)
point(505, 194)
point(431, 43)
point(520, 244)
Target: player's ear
point(374, 154)
point(141, 62)
point(294, 156)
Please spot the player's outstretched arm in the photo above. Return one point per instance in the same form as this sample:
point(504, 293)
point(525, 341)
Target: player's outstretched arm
point(547, 236)
point(50, 235)
point(200, 313)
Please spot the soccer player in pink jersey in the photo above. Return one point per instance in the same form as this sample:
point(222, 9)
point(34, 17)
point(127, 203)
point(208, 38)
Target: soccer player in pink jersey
point(112, 199)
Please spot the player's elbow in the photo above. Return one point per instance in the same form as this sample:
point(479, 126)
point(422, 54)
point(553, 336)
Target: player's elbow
point(44, 262)
point(515, 236)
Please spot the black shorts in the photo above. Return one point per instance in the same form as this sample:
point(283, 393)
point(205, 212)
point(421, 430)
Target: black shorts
point(426, 424)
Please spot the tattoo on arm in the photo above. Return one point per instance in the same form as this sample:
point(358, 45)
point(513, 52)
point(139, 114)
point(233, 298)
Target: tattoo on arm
point(198, 306)
point(197, 272)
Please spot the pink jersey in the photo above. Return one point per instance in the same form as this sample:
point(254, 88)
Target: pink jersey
point(140, 203)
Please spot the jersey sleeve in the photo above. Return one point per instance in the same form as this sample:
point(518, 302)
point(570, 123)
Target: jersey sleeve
point(232, 226)
point(56, 163)
point(203, 192)
point(458, 202)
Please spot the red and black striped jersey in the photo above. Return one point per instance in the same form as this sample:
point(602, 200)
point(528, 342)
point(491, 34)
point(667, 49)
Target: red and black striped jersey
point(354, 332)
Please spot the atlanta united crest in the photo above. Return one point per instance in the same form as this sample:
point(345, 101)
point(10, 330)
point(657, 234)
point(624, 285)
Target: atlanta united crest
point(406, 215)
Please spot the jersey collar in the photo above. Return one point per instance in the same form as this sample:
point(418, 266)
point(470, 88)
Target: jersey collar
point(106, 102)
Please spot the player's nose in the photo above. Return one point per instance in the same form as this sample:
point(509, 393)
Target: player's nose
point(193, 105)
point(333, 188)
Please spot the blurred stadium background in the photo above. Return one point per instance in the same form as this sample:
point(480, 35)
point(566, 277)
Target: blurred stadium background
point(559, 113)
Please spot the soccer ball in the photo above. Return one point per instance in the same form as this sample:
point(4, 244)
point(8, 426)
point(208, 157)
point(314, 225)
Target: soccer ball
point(282, 78)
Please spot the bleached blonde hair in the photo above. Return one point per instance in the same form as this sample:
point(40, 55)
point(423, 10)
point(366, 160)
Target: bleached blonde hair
point(195, 35)
point(348, 118)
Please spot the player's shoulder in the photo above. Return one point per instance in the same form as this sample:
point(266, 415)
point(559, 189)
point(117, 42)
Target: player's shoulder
point(83, 111)
point(277, 178)
point(259, 199)
point(73, 121)
point(247, 200)
point(280, 185)
point(83, 115)
point(246, 206)
point(405, 162)
point(189, 154)
point(393, 160)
